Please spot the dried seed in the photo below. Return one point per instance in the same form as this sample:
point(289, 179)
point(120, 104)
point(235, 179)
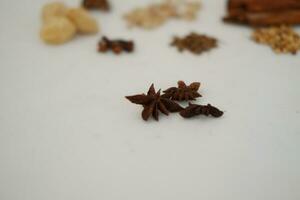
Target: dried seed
point(55, 9)
point(155, 15)
point(282, 39)
point(57, 30)
point(84, 22)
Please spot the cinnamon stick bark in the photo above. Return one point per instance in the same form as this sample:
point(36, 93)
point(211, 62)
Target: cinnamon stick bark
point(263, 12)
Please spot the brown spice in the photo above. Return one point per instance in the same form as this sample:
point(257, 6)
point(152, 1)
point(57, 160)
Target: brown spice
point(195, 43)
point(183, 92)
point(263, 12)
point(153, 102)
point(96, 4)
point(193, 110)
point(282, 39)
point(155, 15)
point(117, 46)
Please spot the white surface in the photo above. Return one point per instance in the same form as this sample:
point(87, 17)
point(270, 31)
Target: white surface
point(68, 133)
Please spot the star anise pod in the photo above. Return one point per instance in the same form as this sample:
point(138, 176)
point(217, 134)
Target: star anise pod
point(153, 102)
point(194, 110)
point(183, 92)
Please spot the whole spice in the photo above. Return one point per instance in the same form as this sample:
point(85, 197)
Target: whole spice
point(194, 110)
point(83, 21)
point(153, 102)
point(96, 4)
point(183, 92)
point(55, 9)
point(117, 46)
point(57, 30)
point(263, 12)
point(156, 14)
point(61, 24)
point(281, 39)
point(195, 43)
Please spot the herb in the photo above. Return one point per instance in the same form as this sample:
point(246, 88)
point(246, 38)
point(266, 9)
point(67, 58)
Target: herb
point(183, 92)
point(96, 4)
point(156, 14)
point(153, 102)
point(195, 43)
point(281, 39)
point(194, 110)
point(117, 46)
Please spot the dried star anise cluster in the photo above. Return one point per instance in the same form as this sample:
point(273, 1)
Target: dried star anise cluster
point(96, 4)
point(117, 46)
point(153, 102)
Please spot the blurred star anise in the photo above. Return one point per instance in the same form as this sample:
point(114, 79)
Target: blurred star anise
point(194, 110)
point(183, 92)
point(153, 102)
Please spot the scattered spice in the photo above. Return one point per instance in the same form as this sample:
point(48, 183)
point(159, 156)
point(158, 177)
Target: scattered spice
point(183, 92)
point(117, 46)
point(155, 15)
point(96, 4)
point(153, 102)
point(194, 110)
point(282, 39)
point(195, 43)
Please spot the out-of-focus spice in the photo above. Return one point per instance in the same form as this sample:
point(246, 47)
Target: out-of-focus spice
point(195, 43)
point(155, 15)
point(96, 4)
point(117, 46)
point(282, 39)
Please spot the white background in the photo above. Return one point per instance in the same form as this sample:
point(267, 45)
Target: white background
point(68, 133)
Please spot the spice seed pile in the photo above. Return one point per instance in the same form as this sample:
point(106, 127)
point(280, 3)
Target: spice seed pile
point(155, 15)
point(195, 43)
point(153, 102)
point(281, 39)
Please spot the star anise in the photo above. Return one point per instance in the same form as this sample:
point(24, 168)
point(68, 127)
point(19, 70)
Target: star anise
point(194, 110)
point(153, 102)
point(183, 92)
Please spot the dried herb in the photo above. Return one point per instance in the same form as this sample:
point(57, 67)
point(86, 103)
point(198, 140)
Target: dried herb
point(117, 46)
point(194, 110)
point(195, 43)
point(96, 4)
point(183, 92)
point(153, 102)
